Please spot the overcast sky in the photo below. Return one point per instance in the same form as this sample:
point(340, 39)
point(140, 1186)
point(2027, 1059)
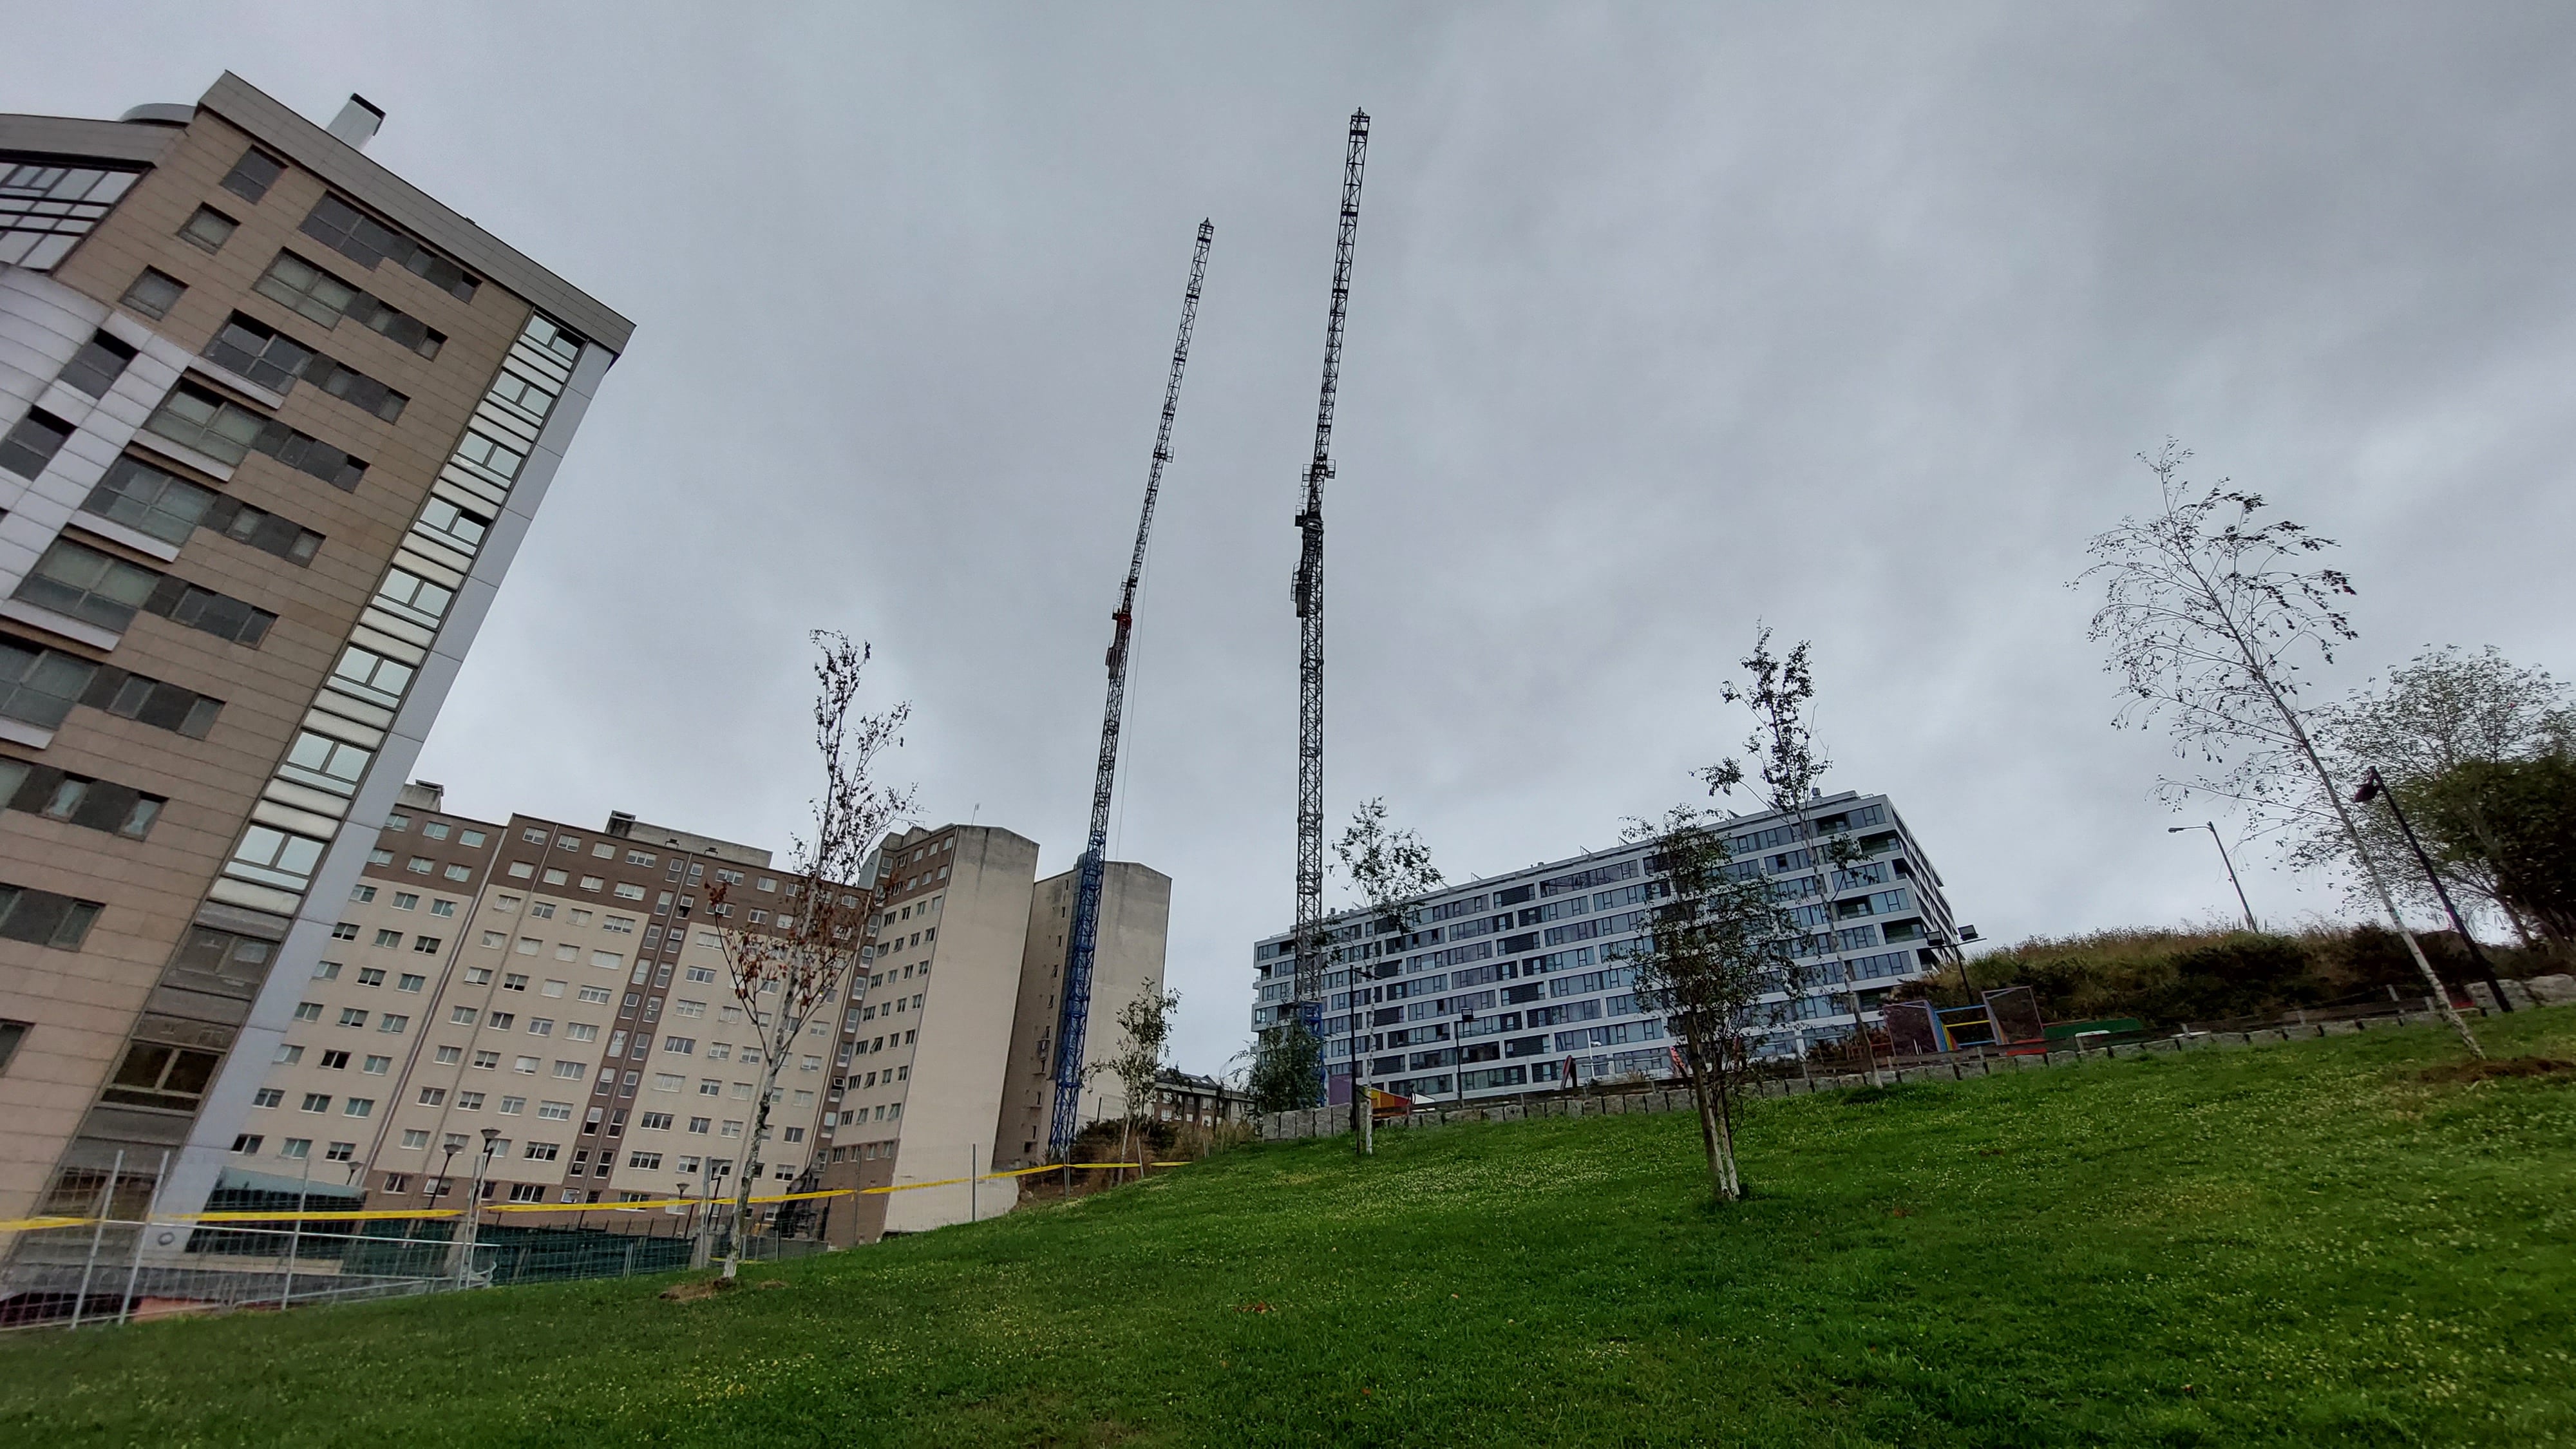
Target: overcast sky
point(1665, 321)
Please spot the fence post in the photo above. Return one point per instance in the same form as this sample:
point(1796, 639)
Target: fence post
point(134, 1268)
point(295, 1234)
point(97, 1230)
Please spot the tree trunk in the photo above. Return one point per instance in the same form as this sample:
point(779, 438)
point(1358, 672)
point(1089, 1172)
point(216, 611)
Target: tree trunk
point(1726, 1129)
point(2370, 868)
point(751, 1149)
point(1713, 1136)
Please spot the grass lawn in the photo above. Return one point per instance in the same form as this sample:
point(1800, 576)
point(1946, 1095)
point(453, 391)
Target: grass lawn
point(2303, 1244)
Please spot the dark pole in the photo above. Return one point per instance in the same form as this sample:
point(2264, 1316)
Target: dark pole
point(2373, 786)
point(2212, 828)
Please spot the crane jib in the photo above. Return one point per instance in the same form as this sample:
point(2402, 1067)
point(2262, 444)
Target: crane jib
point(1073, 1010)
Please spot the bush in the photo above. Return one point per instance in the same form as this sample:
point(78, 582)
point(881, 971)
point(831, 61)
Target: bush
point(2170, 978)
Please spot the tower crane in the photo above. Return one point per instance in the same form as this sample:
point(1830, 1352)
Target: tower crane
point(1074, 1002)
point(1307, 591)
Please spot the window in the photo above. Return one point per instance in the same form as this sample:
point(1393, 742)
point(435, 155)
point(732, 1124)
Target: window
point(37, 685)
point(380, 857)
point(150, 501)
point(554, 1111)
point(361, 238)
point(478, 975)
point(353, 1016)
point(541, 1026)
point(542, 1151)
point(457, 873)
point(317, 1101)
point(228, 432)
point(261, 354)
point(415, 1139)
point(504, 1020)
point(246, 1142)
point(100, 362)
point(358, 1107)
point(470, 839)
point(567, 1070)
point(209, 228)
point(154, 293)
point(512, 1106)
point(666, 1081)
point(371, 676)
point(267, 1097)
point(655, 1121)
point(527, 1065)
point(27, 447)
point(449, 1056)
point(514, 981)
point(542, 910)
point(645, 1160)
point(442, 907)
point(486, 1061)
point(377, 1066)
point(392, 1024)
point(425, 945)
point(310, 291)
point(367, 976)
point(418, 865)
point(465, 530)
point(410, 981)
point(461, 1015)
point(469, 1101)
point(406, 901)
point(597, 995)
point(388, 938)
point(253, 174)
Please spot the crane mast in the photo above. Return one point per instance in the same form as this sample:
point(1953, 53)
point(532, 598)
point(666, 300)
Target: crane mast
point(1307, 591)
point(1074, 1002)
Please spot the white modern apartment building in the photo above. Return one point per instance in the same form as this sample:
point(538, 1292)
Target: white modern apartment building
point(1510, 978)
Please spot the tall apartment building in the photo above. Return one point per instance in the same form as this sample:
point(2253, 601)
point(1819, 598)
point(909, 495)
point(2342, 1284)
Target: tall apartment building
point(566, 988)
point(272, 425)
point(1513, 975)
point(965, 1084)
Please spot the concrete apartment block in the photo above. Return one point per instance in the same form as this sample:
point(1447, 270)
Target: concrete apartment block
point(272, 425)
point(1127, 959)
point(565, 987)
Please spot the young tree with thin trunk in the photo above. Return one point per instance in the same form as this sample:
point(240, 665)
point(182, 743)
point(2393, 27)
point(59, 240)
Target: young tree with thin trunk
point(2209, 614)
point(1392, 871)
point(1146, 1023)
point(789, 972)
point(2433, 717)
point(1779, 691)
point(1719, 941)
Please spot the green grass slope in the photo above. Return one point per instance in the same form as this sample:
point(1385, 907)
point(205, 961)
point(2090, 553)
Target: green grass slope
point(2304, 1244)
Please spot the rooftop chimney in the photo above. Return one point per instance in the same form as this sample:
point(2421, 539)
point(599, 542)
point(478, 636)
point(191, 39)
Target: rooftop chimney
point(357, 122)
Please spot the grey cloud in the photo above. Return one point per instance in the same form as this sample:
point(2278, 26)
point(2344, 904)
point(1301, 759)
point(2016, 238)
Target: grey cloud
point(1666, 320)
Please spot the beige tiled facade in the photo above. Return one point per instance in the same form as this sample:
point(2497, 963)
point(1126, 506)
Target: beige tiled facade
point(136, 961)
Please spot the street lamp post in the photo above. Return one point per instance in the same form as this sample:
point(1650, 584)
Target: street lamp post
point(2212, 827)
point(474, 1207)
point(2375, 788)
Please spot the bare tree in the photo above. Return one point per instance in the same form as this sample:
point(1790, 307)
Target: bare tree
point(1719, 941)
point(1778, 691)
point(2208, 615)
point(1138, 1065)
point(807, 956)
point(2442, 710)
point(1392, 871)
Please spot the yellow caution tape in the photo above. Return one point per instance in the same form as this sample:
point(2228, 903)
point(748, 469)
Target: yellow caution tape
point(1015, 1172)
point(18, 1225)
point(385, 1214)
